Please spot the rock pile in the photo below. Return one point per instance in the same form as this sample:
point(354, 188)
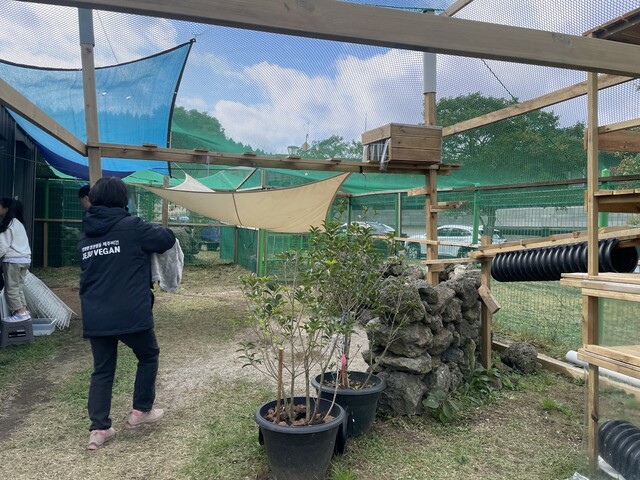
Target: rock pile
point(428, 337)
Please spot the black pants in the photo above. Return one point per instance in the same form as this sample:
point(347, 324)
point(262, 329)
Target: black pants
point(105, 354)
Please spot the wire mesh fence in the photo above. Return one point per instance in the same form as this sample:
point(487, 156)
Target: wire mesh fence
point(545, 313)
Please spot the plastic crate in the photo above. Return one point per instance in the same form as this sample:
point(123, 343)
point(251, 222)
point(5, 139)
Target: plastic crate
point(43, 326)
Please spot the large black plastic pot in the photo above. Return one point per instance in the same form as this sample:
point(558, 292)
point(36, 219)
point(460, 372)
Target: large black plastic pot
point(301, 452)
point(360, 404)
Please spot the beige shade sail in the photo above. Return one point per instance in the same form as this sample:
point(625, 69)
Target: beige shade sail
point(286, 210)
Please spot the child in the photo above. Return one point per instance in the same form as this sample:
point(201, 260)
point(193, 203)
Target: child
point(16, 258)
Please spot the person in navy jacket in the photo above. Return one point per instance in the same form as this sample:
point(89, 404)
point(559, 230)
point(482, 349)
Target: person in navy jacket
point(116, 303)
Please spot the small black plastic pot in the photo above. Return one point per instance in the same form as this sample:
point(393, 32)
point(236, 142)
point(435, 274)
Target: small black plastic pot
point(301, 452)
point(360, 404)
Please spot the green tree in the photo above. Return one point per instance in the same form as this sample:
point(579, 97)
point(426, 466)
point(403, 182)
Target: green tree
point(527, 148)
point(194, 129)
point(334, 147)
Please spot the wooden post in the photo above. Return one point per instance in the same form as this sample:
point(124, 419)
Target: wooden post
point(485, 314)
point(45, 227)
point(590, 304)
point(165, 203)
point(431, 184)
point(87, 42)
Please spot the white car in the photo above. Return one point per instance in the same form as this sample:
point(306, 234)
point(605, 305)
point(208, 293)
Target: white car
point(461, 236)
point(376, 228)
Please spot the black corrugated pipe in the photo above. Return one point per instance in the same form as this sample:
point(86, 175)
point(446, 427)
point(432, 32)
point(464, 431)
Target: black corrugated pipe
point(619, 445)
point(539, 264)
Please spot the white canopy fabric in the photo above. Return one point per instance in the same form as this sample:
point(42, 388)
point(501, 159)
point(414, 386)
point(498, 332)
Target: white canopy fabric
point(286, 210)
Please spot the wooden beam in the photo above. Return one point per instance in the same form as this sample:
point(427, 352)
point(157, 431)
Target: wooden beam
point(14, 100)
point(614, 127)
point(486, 315)
point(87, 42)
point(386, 27)
point(250, 159)
point(489, 300)
point(455, 8)
point(567, 93)
point(620, 232)
point(619, 141)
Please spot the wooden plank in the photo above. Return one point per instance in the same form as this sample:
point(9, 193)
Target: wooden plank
point(619, 203)
point(596, 293)
point(604, 286)
point(428, 130)
point(401, 130)
point(85, 21)
point(592, 173)
point(610, 363)
point(486, 315)
point(414, 192)
point(614, 127)
point(626, 191)
point(623, 353)
point(399, 154)
point(619, 141)
point(625, 28)
point(444, 206)
point(488, 299)
point(14, 100)
point(455, 8)
point(555, 240)
point(409, 141)
point(133, 152)
point(447, 261)
point(386, 27)
point(610, 277)
point(567, 93)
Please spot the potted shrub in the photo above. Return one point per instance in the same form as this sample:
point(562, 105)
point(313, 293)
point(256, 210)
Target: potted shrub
point(345, 270)
point(293, 339)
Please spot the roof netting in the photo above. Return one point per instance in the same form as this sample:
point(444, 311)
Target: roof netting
point(273, 94)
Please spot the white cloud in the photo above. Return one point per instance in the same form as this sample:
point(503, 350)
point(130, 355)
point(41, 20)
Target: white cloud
point(193, 103)
point(364, 93)
point(48, 36)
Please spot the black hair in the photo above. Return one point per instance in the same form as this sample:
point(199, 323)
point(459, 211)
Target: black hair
point(14, 211)
point(109, 192)
point(84, 191)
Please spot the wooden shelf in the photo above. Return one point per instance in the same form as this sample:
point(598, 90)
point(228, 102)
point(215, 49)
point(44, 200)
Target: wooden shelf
point(616, 286)
point(619, 201)
point(622, 359)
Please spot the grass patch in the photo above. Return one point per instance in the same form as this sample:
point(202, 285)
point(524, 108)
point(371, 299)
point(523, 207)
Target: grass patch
point(228, 446)
point(550, 405)
point(17, 361)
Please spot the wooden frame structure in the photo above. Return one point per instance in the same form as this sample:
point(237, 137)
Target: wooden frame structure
point(611, 49)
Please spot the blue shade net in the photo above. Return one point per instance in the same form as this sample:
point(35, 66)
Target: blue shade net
point(135, 101)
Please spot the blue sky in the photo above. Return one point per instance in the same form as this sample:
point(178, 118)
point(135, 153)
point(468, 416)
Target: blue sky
point(270, 90)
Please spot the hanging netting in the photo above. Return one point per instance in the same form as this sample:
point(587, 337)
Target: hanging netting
point(134, 102)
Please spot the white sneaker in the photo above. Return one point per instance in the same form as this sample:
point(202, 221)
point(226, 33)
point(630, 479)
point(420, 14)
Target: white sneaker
point(138, 419)
point(16, 318)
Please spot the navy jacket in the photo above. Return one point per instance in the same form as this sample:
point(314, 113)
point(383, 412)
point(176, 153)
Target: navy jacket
point(116, 271)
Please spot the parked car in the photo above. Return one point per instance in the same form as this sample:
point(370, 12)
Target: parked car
point(460, 235)
point(377, 228)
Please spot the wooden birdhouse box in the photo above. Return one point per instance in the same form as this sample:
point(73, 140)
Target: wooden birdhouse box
point(399, 143)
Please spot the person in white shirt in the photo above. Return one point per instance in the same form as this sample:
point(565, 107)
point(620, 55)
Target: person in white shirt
point(16, 258)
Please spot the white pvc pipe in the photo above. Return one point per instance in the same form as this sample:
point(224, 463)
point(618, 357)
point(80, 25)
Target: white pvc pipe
point(572, 356)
